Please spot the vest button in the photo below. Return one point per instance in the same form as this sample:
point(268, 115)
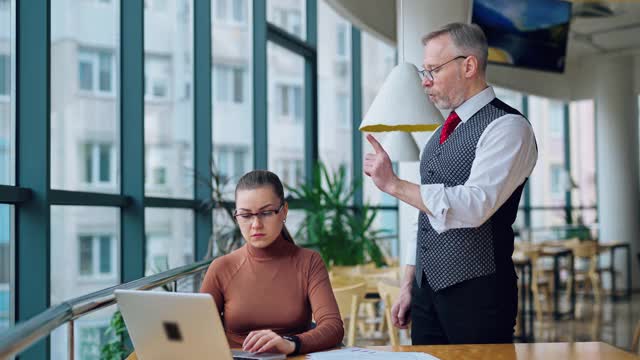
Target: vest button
point(429, 172)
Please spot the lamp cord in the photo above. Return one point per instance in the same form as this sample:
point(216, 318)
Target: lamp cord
point(402, 27)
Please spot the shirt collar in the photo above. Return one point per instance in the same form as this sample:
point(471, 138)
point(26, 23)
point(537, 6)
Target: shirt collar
point(475, 103)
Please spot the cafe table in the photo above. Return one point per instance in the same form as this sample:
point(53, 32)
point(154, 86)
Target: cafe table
point(521, 351)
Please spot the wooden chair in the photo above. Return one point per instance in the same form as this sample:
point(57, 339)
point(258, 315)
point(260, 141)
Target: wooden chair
point(389, 294)
point(587, 277)
point(349, 299)
point(540, 282)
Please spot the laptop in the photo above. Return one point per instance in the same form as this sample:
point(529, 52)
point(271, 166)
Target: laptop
point(165, 325)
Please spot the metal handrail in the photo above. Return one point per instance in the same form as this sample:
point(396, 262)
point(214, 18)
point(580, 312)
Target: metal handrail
point(27, 333)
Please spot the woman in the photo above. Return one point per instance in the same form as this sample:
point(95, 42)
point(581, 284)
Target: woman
point(268, 289)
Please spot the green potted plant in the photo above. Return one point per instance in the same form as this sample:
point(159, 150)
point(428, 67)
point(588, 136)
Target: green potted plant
point(117, 347)
point(341, 233)
point(226, 235)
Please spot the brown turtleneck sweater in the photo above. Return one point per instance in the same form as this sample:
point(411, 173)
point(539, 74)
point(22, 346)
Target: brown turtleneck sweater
point(278, 288)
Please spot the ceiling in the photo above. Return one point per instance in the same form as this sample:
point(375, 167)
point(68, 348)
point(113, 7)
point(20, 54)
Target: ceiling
point(603, 27)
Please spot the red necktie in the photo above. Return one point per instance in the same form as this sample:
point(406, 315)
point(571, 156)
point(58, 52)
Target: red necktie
point(449, 125)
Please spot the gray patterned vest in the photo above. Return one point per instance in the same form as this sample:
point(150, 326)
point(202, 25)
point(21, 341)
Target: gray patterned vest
point(457, 255)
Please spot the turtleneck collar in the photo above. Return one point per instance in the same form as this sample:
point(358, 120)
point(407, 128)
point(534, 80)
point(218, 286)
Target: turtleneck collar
point(278, 248)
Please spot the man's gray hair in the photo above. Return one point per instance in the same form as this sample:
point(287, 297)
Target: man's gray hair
point(468, 38)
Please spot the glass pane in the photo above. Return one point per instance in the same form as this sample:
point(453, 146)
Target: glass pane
point(290, 15)
point(286, 114)
point(85, 113)
point(6, 266)
point(549, 180)
point(378, 59)
point(232, 91)
point(583, 160)
point(91, 334)
point(334, 90)
point(92, 233)
point(168, 123)
point(7, 93)
point(169, 235)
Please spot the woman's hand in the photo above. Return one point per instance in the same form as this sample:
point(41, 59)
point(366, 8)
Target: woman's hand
point(267, 341)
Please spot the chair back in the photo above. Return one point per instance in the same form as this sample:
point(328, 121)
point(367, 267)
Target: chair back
point(348, 299)
point(389, 294)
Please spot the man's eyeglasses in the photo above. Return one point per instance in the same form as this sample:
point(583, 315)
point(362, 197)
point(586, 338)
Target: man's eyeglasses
point(264, 215)
point(429, 74)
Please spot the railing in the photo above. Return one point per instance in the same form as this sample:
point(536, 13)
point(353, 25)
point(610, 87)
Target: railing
point(27, 333)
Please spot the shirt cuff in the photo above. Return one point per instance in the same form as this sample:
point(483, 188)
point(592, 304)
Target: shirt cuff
point(410, 253)
point(435, 200)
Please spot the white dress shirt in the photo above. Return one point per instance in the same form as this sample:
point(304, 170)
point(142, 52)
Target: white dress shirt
point(505, 156)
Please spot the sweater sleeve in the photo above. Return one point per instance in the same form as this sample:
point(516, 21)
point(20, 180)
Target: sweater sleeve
point(329, 329)
point(211, 285)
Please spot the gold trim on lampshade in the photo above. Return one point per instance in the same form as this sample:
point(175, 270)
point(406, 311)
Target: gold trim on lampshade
point(401, 104)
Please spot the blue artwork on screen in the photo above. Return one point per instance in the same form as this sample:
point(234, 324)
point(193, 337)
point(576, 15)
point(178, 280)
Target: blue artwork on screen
point(525, 33)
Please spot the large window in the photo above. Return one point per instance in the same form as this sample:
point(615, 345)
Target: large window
point(548, 181)
point(7, 158)
point(85, 257)
point(286, 135)
point(6, 272)
point(334, 90)
point(168, 122)
point(232, 90)
point(583, 160)
point(84, 96)
point(378, 59)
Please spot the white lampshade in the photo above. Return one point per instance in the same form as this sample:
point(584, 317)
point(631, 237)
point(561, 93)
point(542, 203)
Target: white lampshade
point(401, 104)
point(400, 146)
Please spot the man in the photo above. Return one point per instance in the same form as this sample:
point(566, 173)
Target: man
point(463, 287)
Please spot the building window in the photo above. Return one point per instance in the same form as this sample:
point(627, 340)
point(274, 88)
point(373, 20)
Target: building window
point(557, 180)
point(291, 171)
point(232, 161)
point(90, 341)
point(341, 40)
point(289, 102)
point(96, 256)
point(229, 83)
point(96, 71)
point(156, 78)
point(342, 110)
point(231, 11)
point(159, 176)
point(98, 164)
point(289, 20)
point(5, 75)
point(156, 5)
point(556, 119)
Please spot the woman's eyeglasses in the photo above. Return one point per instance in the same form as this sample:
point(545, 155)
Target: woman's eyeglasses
point(264, 215)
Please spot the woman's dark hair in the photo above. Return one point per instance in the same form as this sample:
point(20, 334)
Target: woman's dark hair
point(260, 178)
